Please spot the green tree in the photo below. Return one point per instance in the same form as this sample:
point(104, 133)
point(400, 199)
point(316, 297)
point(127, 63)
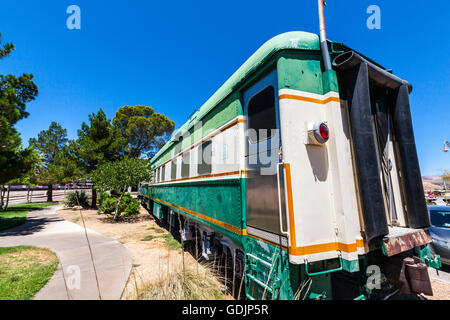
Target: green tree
point(19, 168)
point(145, 130)
point(69, 169)
point(26, 170)
point(50, 145)
point(98, 142)
point(15, 93)
point(119, 175)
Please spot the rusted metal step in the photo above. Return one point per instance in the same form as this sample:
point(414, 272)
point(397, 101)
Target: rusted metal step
point(403, 239)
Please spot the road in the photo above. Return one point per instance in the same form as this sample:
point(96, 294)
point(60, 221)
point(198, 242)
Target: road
point(17, 197)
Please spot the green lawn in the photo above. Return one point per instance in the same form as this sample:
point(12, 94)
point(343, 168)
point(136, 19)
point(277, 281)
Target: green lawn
point(16, 214)
point(24, 270)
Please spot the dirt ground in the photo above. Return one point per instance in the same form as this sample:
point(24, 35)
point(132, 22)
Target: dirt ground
point(154, 252)
point(154, 258)
point(441, 290)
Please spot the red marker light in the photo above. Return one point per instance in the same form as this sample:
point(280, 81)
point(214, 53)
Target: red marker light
point(324, 132)
point(321, 132)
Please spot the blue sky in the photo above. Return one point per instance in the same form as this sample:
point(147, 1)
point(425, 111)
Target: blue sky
point(173, 55)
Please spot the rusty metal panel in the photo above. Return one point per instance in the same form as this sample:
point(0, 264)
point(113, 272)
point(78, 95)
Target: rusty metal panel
point(403, 239)
point(408, 274)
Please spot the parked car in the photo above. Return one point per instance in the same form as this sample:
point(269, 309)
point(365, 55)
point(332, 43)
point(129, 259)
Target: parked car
point(447, 198)
point(440, 232)
point(430, 198)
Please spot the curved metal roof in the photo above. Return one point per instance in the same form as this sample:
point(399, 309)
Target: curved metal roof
point(289, 40)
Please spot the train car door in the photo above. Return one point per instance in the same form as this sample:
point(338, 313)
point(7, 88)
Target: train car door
point(264, 184)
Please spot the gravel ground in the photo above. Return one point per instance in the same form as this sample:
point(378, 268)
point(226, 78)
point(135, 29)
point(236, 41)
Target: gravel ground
point(440, 282)
point(441, 290)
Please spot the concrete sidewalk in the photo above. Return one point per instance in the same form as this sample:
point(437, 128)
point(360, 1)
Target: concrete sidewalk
point(44, 228)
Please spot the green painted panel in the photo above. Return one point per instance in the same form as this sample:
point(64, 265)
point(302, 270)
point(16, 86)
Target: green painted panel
point(158, 211)
point(218, 199)
point(330, 82)
point(267, 271)
point(350, 265)
point(166, 156)
point(223, 113)
point(300, 71)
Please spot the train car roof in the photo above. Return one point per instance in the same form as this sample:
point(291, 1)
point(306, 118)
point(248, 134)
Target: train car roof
point(290, 40)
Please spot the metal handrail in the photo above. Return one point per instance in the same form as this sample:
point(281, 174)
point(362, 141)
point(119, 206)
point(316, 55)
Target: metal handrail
point(324, 271)
point(280, 211)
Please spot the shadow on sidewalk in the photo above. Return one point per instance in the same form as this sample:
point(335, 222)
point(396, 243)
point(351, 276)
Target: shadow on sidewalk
point(35, 222)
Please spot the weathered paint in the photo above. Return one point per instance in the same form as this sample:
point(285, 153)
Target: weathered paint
point(405, 242)
point(320, 234)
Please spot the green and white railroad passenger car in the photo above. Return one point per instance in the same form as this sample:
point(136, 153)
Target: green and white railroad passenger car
point(305, 180)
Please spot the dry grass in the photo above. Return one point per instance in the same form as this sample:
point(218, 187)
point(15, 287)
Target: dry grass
point(188, 284)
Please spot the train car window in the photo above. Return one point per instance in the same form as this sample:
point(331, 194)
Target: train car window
point(205, 158)
point(163, 173)
point(185, 165)
point(261, 115)
point(177, 148)
point(173, 169)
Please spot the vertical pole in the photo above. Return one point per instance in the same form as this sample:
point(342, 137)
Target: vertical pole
point(323, 36)
point(2, 195)
point(7, 196)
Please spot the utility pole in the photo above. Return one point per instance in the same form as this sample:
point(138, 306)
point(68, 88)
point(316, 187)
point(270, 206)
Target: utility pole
point(446, 148)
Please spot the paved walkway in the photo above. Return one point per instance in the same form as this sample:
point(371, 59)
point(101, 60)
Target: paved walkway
point(45, 228)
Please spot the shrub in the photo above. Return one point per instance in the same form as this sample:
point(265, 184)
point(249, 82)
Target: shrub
point(126, 199)
point(108, 205)
point(72, 201)
point(128, 205)
point(102, 197)
point(132, 208)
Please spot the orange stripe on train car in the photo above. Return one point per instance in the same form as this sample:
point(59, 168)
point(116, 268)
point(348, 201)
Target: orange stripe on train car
point(308, 99)
point(297, 251)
